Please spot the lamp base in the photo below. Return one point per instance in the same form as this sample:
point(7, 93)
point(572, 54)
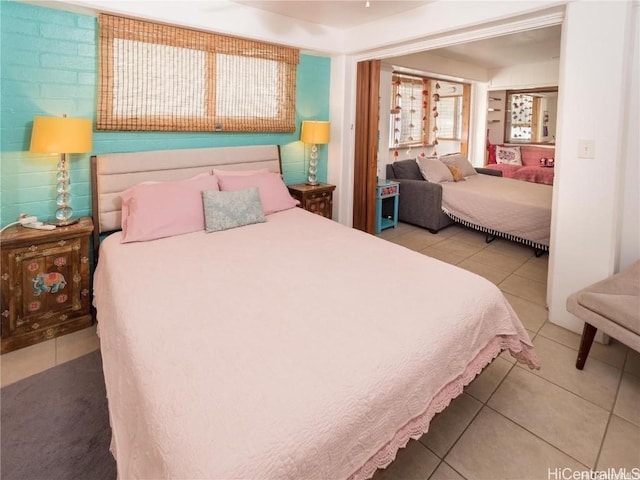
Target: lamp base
point(64, 223)
point(312, 184)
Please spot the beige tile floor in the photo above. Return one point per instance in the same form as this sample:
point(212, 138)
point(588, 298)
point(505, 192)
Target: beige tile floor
point(514, 423)
point(34, 359)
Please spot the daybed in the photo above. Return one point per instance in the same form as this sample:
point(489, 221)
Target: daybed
point(421, 201)
point(518, 211)
point(220, 363)
point(531, 163)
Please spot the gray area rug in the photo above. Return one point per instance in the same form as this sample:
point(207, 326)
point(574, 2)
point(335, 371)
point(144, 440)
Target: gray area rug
point(55, 425)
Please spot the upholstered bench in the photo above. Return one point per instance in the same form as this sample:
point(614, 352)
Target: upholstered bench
point(611, 305)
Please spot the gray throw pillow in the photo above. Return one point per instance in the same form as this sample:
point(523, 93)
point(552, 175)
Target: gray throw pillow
point(230, 209)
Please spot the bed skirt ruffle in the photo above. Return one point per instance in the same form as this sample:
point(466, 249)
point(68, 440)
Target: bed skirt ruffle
point(419, 425)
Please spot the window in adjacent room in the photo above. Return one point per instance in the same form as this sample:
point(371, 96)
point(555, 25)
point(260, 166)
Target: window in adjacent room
point(424, 110)
point(161, 77)
point(450, 117)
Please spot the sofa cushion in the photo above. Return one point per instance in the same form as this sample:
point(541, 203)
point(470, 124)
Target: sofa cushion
point(616, 298)
point(407, 169)
point(621, 309)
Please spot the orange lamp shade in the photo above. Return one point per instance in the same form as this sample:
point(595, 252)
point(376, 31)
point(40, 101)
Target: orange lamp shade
point(315, 132)
point(61, 135)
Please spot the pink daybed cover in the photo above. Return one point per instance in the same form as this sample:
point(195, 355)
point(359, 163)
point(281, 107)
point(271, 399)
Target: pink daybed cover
point(537, 174)
point(516, 208)
point(508, 171)
point(296, 348)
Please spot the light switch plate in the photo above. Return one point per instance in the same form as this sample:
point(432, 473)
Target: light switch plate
point(586, 148)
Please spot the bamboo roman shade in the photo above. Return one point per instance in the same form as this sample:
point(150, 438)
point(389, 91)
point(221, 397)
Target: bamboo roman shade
point(166, 78)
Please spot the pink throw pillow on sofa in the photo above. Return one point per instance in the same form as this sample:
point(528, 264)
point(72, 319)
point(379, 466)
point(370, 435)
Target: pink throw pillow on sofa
point(274, 194)
point(164, 209)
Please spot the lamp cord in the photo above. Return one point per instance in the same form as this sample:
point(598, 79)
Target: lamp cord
point(8, 225)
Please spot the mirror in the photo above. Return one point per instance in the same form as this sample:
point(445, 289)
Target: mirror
point(530, 116)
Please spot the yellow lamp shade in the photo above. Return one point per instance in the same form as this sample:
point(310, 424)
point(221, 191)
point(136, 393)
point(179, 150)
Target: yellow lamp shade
point(315, 132)
point(61, 135)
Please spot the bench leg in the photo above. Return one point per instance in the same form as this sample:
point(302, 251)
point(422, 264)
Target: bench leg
point(588, 333)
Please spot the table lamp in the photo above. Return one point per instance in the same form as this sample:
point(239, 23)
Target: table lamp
point(314, 133)
point(61, 135)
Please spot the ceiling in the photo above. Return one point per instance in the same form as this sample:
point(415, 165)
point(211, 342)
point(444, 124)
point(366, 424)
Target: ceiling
point(341, 14)
point(531, 46)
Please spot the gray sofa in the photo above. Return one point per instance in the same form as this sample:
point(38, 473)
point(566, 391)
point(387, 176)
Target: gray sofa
point(420, 202)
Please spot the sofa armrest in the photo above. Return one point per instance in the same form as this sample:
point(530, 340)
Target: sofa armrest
point(489, 171)
point(420, 188)
point(420, 203)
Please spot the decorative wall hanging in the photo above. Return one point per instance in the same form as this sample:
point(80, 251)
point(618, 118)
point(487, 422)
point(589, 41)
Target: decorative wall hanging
point(396, 110)
point(434, 115)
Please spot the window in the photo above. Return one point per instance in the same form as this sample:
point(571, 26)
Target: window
point(424, 110)
point(160, 77)
point(450, 118)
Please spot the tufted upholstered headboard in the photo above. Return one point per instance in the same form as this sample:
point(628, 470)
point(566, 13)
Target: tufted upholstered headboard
point(112, 173)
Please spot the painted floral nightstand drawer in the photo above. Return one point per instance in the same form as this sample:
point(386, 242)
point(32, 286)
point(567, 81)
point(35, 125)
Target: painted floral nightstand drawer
point(45, 284)
point(317, 199)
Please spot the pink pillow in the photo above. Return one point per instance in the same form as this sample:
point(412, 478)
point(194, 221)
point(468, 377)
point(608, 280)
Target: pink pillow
point(231, 173)
point(164, 209)
point(274, 195)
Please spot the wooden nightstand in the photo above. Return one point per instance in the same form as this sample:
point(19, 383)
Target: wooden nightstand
point(314, 198)
point(44, 283)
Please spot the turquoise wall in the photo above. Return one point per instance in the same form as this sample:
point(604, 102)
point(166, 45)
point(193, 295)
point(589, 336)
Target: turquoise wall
point(49, 68)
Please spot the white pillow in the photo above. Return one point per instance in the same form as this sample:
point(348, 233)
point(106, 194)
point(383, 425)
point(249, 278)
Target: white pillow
point(508, 155)
point(460, 161)
point(433, 170)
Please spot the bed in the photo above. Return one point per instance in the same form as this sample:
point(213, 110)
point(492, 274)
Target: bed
point(506, 207)
point(288, 348)
point(477, 198)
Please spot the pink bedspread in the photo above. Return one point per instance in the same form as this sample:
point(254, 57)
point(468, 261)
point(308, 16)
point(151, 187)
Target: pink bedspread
point(296, 348)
